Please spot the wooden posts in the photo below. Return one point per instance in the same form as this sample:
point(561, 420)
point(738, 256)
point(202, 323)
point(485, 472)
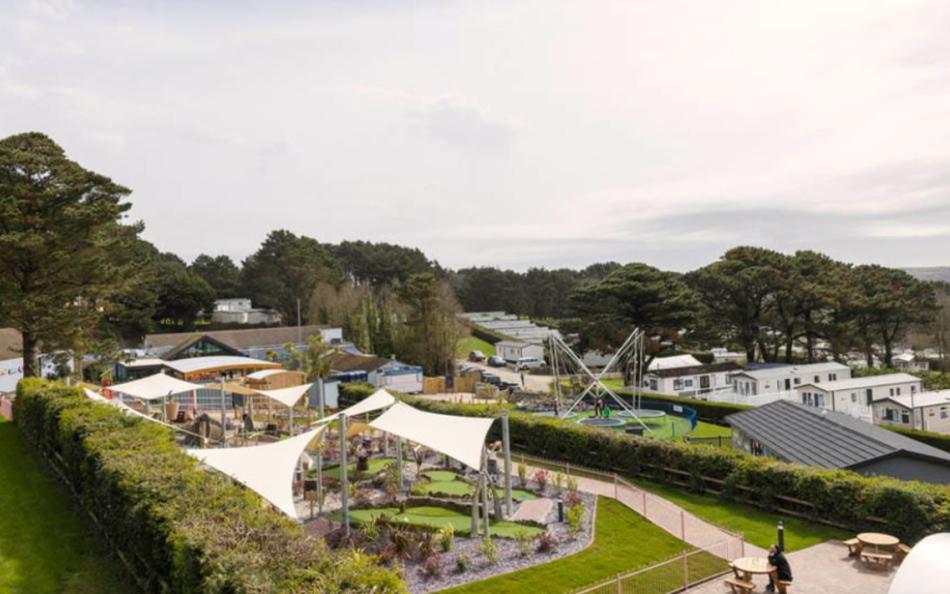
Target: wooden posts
point(399, 462)
point(506, 446)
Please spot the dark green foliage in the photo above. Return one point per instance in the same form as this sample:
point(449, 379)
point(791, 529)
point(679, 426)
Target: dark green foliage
point(183, 529)
point(380, 264)
point(908, 509)
point(221, 273)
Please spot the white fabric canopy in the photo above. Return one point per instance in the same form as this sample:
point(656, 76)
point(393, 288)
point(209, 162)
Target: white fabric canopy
point(268, 469)
point(461, 438)
point(154, 387)
point(377, 400)
point(95, 396)
point(925, 570)
point(286, 396)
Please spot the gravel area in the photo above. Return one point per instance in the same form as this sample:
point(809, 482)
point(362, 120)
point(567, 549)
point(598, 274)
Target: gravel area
point(509, 558)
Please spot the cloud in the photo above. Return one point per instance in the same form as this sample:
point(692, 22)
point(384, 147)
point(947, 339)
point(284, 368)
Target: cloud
point(461, 125)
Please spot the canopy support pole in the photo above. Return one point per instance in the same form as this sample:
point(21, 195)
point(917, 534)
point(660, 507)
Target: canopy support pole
point(224, 416)
point(399, 462)
point(506, 445)
point(290, 426)
point(320, 396)
point(344, 479)
point(475, 496)
point(484, 474)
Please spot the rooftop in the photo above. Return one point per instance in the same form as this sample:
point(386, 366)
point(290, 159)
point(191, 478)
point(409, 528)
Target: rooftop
point(786, 370)
point(935, 398)
point(821, 437)
point(695, 369)
point(349, 362)
point(864, 382)
point(10, 344)
point(197, 364)
point(674, 361)
point(238, 339)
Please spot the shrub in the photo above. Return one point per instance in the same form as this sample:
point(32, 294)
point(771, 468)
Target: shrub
point(489, 549)
point(522, 474)
point(572, 487)
point(546, 542)
point(446, 537)
point(575, 516)
point(461, 563)
point(523, 538)
point(419, 488)
point(558, 482)
point(432, 567)
point(540, 477)
point(182, 529)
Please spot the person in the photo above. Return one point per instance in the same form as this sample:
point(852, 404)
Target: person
point(782, 568)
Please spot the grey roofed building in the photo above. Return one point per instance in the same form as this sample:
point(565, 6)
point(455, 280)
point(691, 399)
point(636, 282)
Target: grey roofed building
point(793, 432)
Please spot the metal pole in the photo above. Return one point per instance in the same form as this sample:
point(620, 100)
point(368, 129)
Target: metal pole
point(484, 475)
point(682, 526)
point(344, 479)
point(320, 475)
point(320, 388)
point(224, 416)
point(506, 445)
point(475, 496)
point(780, 529)
point(399, 461)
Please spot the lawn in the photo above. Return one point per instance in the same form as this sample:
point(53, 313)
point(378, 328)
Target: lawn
point(446, 482)
point(757, 525)
point(666, 427)
point(437, 517)
point(466, 345)
point(623, 541)
point(45, 545)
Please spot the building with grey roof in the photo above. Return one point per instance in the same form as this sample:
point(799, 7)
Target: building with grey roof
point(792, 432)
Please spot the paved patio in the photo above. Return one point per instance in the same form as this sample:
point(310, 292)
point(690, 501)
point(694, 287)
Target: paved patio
point(821, 569)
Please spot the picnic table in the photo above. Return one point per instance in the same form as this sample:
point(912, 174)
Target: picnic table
point(878, 540)
point(877, 558)
point(749, 566)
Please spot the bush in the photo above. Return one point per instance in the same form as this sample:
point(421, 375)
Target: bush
point(540, 477)
point(523, 538)
point(489, 549)
point(446, 535)
point(461, 563)
point(546, 542)
point(522, 474)
point(432, 567)
point(182, 529)
point(908, 509)
point(575, 516)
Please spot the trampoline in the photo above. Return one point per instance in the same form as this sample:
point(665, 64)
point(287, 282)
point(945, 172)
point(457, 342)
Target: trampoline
point(642, 413)
point(550, 413)
point(602, 422)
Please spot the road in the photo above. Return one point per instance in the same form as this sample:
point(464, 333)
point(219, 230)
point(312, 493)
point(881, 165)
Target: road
point(534, 383)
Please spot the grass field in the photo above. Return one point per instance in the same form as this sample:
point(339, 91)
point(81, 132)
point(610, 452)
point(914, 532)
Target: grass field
point(757, 525)
point(469, 343)
point(623, 541)
point(45, 546)
point(437, 517)
point(448, 483)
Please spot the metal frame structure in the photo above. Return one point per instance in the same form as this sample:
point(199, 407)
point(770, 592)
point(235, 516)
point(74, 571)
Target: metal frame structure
point(632, 348)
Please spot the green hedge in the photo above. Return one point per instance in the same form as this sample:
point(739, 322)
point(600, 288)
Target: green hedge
point(937, 440)
point(178, 528)
point(908, 509)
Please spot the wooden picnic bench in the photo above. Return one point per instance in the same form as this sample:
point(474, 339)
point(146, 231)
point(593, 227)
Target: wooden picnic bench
point(901, 552)
point(877, 560)
point(740, 586)
point(854, 547)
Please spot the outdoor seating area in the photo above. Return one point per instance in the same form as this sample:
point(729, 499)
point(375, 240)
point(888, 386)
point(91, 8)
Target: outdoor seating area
point(745, 569)
point(877, 551)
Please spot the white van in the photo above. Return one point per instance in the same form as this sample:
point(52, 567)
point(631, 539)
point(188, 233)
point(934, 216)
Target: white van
point(529, 363)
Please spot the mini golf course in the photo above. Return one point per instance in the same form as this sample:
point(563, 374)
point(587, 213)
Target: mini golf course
point(437, 517)
point(447, 482)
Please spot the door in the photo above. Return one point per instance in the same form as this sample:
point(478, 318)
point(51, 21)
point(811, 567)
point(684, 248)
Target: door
point(788, 385)
point(704, 382)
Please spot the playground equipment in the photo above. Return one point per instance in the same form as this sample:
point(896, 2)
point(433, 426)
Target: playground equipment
point(630, 352)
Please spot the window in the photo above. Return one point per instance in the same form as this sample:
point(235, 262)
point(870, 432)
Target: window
point(913, 389)
point(854, 397)
point(905, 417)
point(898, 390)
point(817, 379)
point(891, 392)
point(832, 377)
point(798, 380)
point(677, 384)
point(869, 396)
point(688, 383)
point(943, 412)
point(728, 379)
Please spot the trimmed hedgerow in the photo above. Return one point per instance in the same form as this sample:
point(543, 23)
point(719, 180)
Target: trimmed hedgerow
point(179, 529)
point(713, 412)
point(905, 508)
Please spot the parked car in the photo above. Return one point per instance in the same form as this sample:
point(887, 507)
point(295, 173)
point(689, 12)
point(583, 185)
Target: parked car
point(529, 363)
point(476, 356)
point(491, 378)
point(496, 361)
point(510, 386)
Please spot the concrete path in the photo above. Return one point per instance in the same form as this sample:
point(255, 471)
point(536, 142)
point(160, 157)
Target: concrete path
point(820, 569)
point(533, 510)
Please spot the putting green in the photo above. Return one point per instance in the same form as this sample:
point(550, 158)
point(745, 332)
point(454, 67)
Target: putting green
point(437, 517)
point(446, 482)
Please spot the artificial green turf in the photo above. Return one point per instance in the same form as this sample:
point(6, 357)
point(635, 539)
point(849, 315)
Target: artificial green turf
point(45, 544)
point(466, 345)
point(665, 427)
point(446, 482)
point(623, 542)
point(437, 517)
point(758, 526)
point(704, 429)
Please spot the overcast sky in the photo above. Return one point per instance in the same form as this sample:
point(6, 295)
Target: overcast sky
point(507, 133)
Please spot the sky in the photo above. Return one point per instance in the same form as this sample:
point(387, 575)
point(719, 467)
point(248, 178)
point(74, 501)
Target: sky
point(512, 134)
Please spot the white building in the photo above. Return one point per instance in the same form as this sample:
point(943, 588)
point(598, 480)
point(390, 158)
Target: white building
point(910, 362)
point(512, 350)
point(856, 396)
point(673, 362)
point(240, 311)
point(722, 355)
point(11, 363)
point(695, 380)
point(926, 411)
point(776, 378)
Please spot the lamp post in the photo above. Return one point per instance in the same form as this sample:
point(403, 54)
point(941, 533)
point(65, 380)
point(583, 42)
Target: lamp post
point(781, 535)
